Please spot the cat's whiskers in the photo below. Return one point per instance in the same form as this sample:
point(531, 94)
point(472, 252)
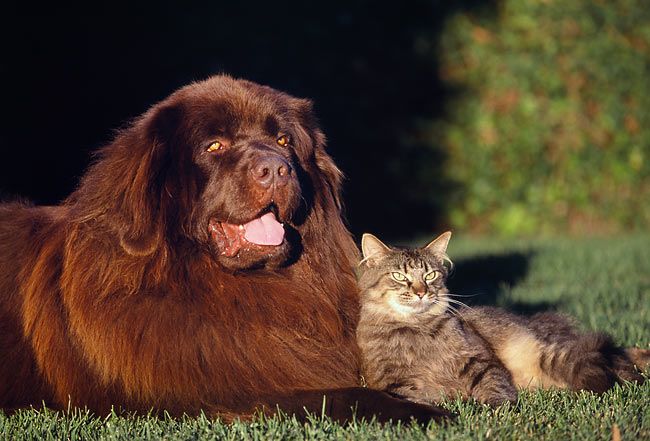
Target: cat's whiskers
point(459, 313)
point(458, 302)
point(456, 313)
point(463, 295)
point(449, 307)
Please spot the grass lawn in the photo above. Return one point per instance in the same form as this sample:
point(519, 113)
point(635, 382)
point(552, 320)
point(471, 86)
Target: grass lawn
point(605, 283)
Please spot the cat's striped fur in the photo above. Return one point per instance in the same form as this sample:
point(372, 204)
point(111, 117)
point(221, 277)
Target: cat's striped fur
point(419, 343)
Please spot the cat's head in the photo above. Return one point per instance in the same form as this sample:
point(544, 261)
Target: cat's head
point(407, 282)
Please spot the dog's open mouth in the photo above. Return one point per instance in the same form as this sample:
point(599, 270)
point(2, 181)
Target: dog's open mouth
point(261, 232)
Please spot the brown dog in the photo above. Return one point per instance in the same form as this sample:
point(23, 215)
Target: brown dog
point(201, 264)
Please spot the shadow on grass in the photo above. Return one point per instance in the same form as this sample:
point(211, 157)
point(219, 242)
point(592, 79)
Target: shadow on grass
point(486, 277)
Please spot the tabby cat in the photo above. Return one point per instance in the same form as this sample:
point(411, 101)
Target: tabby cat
point(418, 342)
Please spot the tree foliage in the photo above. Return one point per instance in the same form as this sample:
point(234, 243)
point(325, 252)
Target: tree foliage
point(551, 128)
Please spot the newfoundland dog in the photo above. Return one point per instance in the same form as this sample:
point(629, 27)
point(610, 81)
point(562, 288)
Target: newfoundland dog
point(202, 264)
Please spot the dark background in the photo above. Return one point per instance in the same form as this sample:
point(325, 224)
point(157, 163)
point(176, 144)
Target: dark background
point(72, 76)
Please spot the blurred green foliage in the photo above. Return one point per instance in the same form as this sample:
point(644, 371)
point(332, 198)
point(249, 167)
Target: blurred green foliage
point(550, 128)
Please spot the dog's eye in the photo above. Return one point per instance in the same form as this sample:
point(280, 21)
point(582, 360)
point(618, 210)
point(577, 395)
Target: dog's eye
point(283, 140)
point(216, 146)
point(398, 276)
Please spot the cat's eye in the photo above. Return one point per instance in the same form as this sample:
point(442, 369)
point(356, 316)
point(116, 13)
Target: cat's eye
point(216, 146)
point(283, 140)
point(433, 275)
point(398, 276)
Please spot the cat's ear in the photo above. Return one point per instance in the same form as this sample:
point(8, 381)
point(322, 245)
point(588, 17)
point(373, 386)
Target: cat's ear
point(439, 244)
point(373, 248)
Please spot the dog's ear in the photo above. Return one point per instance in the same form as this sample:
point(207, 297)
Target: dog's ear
point(309, 133)
point(325, 164)
point(146, 199)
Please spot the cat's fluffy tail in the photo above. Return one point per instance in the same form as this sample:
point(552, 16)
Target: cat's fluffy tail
point(589, 361)
point(593, 362)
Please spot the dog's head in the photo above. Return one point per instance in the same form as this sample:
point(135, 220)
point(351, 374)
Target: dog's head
point(224, 164)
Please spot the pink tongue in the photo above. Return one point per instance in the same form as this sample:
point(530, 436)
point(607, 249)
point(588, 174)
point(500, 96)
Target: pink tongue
point(265, 230)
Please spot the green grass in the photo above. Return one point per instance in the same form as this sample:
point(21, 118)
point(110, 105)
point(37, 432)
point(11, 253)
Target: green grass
point(604, 283)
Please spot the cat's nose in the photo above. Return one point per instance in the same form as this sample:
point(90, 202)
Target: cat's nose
point(419, 289)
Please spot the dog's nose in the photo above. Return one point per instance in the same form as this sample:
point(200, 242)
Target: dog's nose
point(271, 169)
